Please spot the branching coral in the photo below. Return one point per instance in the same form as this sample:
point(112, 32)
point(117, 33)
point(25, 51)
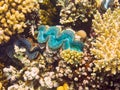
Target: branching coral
point(74, 10)
point(46, 74)
point(12, 16)
point(33, 71)
point(106, 46)
point(81, 10)
point(11, 73)
point(56, 38)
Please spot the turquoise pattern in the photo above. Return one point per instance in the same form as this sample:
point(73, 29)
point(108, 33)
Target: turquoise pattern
point(56, 38)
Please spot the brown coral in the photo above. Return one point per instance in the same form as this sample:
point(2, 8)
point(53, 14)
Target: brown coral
point(12, 16)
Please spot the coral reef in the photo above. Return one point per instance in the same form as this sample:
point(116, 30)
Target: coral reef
point(33, 71)
point(74, 10)
point(56, 38)
point(48, 12)
point(12, 17)
point(59, 45)
point(106, 45)
point(78, 12)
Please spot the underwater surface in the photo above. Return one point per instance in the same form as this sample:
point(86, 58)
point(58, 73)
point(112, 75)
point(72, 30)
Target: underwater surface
point(59, 45)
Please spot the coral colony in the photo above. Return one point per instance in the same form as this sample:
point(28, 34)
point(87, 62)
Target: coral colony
point(59, 45)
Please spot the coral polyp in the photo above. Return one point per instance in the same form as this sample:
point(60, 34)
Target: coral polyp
point(56, 38)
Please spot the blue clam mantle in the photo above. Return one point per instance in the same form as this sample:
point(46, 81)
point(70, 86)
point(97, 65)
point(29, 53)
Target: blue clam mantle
point(56, 39)
point(31, 52)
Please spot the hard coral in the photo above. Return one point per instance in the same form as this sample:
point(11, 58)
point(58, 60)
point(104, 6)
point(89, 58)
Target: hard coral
point(71, 57)
point(74, 10)
point(48, 12)
point(106, 46)
point(12, 16)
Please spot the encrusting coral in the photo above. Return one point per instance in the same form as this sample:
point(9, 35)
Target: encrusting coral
point(12, 16)
point(106, 45)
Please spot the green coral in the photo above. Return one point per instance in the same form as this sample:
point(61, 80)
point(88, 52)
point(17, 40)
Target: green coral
point(12, 16)
point(106, 46)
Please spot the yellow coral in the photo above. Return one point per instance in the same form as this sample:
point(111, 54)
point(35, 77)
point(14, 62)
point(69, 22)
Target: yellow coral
point(76, 10)
point(12, 16)
point(106, 47)
point(71, 57)
point(60, 88)
point(64, 87)
point(0, 86)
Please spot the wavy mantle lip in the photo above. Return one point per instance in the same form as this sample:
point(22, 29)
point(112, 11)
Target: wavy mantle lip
point(56, 38)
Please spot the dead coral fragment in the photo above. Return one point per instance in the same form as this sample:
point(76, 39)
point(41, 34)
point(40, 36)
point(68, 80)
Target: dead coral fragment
point(107, 44)
point(12, 16)
point(71, 57)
